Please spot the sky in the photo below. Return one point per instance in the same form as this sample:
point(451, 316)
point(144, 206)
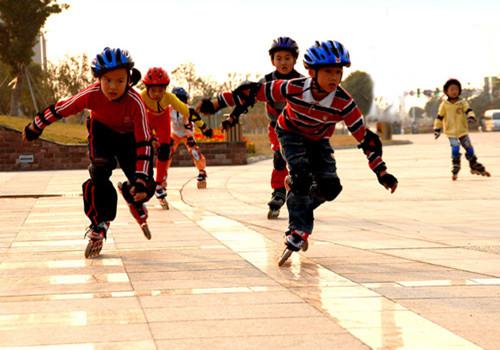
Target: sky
point(403, 45)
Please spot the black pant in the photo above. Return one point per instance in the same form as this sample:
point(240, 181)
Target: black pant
point(314, 178)
point(107, 149)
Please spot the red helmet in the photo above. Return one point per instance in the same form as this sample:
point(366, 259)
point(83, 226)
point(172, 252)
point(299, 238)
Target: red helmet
point(156, 76)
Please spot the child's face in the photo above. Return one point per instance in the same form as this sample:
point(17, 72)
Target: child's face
point(156, 92)
point(328, 78)
point(453, 91)
point(283, 61)
point(114, 83)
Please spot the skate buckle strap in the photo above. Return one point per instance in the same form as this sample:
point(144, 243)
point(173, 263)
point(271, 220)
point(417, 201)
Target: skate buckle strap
point(302, 234)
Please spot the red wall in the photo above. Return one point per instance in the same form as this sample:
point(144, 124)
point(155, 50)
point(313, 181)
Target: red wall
point(52, 156)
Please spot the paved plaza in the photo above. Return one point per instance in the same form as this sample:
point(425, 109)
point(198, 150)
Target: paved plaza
point(418, 269)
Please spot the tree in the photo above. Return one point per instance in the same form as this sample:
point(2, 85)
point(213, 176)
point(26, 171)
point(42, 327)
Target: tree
point(20, 23)
point(360, 86)
point(186, 76)
point(68, 77)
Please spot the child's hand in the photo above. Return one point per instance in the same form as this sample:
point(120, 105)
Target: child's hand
point(387, 180)
point(30, 133)
point(208, 132)
point(437, 133)
point(229, 122)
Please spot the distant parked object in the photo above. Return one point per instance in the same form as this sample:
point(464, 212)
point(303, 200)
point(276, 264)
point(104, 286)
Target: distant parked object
point(491, 120)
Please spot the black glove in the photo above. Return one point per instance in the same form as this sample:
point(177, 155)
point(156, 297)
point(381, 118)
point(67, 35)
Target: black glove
point(208, 132)
point(437, 133)
point(139, 187)
point(229, 122)
point(188, 126)
point(387, 180)
point(31, 134)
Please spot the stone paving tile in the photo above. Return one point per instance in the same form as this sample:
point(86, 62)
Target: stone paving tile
point(301, 341)
point(416, 269)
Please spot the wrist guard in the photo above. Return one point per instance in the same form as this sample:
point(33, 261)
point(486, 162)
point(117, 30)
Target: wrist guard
point(371, 144)
point(208, 132)
point(30, 133)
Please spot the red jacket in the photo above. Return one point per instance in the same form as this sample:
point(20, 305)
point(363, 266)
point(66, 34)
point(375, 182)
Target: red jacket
point(127, 115)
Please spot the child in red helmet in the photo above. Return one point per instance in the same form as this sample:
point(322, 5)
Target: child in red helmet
point(118, 130)
point(454, 114)
point(158, 102)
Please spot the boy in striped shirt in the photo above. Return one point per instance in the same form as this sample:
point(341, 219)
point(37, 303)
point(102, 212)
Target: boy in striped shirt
point(313, 106)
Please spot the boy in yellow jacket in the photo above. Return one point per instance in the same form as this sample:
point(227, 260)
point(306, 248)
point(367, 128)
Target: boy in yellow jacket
point(454, 114)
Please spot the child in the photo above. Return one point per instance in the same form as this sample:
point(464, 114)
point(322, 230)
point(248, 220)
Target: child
point(313, 106)
point(158, 102)
point(455, 114)
point(283, 53)
point(184, 133)
point(118, 130)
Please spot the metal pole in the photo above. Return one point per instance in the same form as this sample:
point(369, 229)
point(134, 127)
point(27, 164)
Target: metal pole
point(26, 75)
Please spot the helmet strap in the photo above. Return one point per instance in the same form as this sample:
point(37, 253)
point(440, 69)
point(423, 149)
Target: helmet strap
point(315, 84)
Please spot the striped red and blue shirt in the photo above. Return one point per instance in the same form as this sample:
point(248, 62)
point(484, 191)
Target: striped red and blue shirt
point(313, 119)
point(126, 115)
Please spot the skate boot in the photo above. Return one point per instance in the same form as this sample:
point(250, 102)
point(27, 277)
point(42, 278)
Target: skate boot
point(161, 194)
point(455, 161)
point(202, 179)
point(96, 234)
point(277, 201)
point(477, 168)
point(139, 212)
point(295, 240)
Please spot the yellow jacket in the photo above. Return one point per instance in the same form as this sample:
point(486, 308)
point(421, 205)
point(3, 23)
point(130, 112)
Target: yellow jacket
point(454, 116)
point(161, 107)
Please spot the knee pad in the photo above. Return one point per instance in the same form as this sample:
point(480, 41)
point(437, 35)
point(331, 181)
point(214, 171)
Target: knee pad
point(278, 162)
point(469, 153)
point(191, 142)
point(195, 153)
point(328, 189)
point(455, 151)
point(301, 183)
point(164, 152)
point(100, 171)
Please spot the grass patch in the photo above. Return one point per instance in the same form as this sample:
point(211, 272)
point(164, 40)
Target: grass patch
point(65, 133)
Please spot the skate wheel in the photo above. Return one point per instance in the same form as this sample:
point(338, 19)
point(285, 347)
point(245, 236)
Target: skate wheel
point(305, 246)
point(284, 256)
point(93, 249)
point(146, 231)
point(273, 214)
point(164, 204)
point(202, 184)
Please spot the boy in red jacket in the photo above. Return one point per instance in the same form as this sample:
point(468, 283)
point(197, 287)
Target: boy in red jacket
point(118, 131)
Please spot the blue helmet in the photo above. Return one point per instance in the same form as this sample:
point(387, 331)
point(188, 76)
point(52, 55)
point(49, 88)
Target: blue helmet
point(181, 94)
point(327, 53)
point(284, 43)
point(110, 59)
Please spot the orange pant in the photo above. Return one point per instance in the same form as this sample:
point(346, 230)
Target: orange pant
point(193, 149)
